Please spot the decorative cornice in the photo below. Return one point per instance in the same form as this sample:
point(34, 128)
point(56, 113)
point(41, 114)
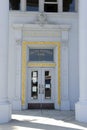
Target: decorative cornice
point(46, 26)
point(14, 13)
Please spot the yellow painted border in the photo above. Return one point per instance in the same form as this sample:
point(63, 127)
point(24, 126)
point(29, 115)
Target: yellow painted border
point(24, 65)
point(24, 54)
point(59, 74)
point(35, 64)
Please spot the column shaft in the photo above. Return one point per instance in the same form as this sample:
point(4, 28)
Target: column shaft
point(81, 106)
point(83, 50)
point(5, 107)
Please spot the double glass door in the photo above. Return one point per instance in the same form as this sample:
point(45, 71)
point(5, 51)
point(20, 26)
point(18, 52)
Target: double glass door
point(41, 85)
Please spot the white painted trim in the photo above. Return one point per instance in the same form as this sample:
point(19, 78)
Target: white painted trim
point(46, 26)
point(60, 6)
point(13, 13)
point(76, 5)
point(41, 5)
point(23, 5)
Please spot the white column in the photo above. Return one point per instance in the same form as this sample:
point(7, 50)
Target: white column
point(5, 106)
point(81, 106)
point(23, 5)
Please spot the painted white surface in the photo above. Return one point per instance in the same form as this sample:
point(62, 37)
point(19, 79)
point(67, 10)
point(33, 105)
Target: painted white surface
point(81, 106)
point(65, 101)
point(23, 5)
point(5, 112)
point(5, 106)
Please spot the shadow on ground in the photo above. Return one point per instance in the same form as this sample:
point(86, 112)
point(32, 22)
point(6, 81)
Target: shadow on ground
point(43, 120)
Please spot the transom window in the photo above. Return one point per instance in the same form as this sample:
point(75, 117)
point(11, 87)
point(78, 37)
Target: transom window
point(44, 5)
point(41, 55)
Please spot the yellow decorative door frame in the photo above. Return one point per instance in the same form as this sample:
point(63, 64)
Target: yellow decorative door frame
point(24, 65)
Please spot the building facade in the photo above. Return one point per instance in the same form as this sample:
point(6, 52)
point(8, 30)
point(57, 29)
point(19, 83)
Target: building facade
point(40, 56)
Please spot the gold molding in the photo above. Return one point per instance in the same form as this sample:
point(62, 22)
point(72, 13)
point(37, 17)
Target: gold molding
point(24, 65)
point(36, 64)
point(59, 74)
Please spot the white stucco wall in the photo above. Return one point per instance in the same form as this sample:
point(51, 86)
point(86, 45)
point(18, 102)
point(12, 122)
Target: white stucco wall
point(16, 17)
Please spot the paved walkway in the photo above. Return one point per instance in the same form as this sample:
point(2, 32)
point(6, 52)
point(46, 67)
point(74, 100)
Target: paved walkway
point(43, 120)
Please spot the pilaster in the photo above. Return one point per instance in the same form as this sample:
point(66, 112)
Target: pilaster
point(17, 90)
point(65, 104)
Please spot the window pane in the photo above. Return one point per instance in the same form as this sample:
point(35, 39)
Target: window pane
point(69, 5)
point(41, 55)
point(50, 7)
point(32, 5)
point(14, 4)
point(47, 84)
point(50, 0)
point(34, 84)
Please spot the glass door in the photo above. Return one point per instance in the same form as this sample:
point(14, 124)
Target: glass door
point(41, 87)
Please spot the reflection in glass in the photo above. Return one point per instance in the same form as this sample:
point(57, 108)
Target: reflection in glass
point(32, 5)
point(41, 55)
point(34, 84)
point(69, 6)
point(50, 6)
point(47, 85)
point(14, 4)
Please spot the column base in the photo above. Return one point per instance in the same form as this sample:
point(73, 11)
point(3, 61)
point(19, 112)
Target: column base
point(81, 111)
point(5, 112)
